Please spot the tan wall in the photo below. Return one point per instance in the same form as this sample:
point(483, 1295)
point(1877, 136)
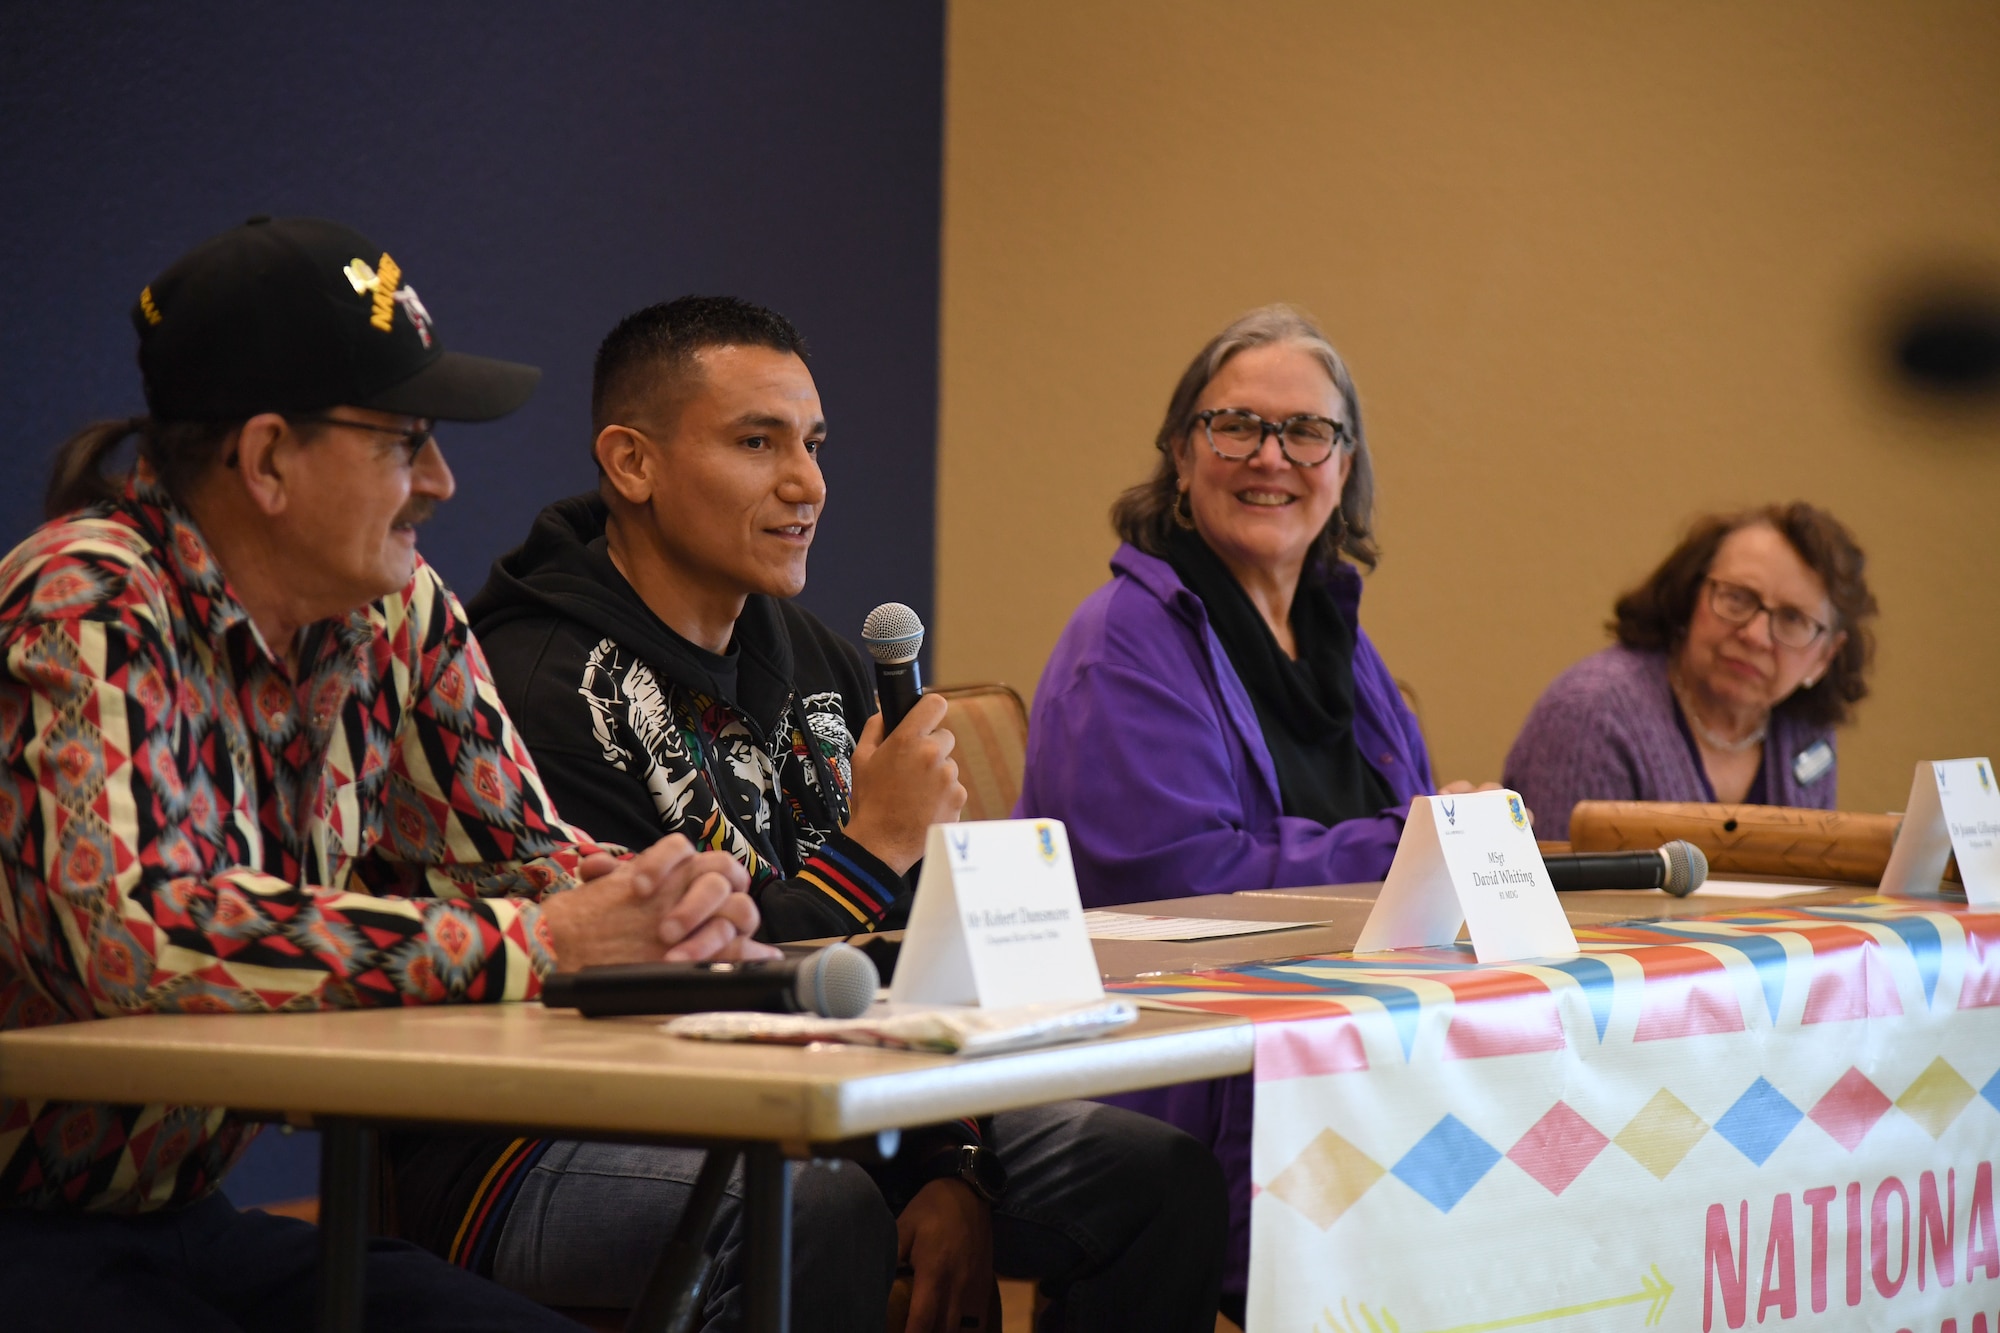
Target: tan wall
point(1597, 267)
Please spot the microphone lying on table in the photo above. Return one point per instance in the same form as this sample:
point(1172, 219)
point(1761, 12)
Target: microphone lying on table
point(838, 981)
point(1679, 867)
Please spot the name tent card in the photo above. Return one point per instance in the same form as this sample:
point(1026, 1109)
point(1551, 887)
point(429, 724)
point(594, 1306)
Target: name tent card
point(997, 921)
point(1469, 860)
point(1954, 808)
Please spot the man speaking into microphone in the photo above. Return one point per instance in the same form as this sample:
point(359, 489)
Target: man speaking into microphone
point(664, 679)
point(644, 640)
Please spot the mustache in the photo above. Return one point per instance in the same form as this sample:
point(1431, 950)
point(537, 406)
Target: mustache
point(416, 513)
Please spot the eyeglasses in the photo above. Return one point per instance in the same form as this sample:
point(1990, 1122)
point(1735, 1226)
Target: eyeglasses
point(1739, 606)
point(1304, 440)
point(413, 440)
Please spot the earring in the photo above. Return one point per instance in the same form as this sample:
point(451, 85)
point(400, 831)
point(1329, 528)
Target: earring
point(1809, 682)
point(1184, 510)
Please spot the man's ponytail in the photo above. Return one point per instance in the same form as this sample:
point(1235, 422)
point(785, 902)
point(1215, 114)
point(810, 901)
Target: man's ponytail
point(77, 478)
point(178, 452)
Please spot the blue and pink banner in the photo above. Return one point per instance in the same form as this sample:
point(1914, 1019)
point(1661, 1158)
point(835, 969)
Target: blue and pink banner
point(1783, 1119)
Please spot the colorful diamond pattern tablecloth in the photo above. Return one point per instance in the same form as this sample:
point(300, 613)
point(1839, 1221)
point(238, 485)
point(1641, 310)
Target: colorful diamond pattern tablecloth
point(1786, 1116)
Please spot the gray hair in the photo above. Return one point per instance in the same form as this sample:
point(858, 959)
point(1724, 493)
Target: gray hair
point(1144, 514)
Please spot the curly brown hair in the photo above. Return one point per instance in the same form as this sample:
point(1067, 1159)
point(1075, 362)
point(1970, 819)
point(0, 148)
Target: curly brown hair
point(1654, 616)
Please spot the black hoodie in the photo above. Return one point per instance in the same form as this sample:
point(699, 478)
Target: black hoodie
point(639, 733)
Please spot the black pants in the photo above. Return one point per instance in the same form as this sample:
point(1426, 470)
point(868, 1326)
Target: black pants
point(1120, 1218)
point(208, 1268)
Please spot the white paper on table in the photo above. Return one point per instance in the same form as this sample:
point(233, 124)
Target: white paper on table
point(940, 1029)
point(1109, 925)
point(1739, 888)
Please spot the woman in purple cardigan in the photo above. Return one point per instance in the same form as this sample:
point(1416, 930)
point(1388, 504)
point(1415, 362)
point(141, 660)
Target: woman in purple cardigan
point(1734, 662)
point(1214, 719)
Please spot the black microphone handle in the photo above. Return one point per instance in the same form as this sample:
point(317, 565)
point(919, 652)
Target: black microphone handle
point(898, 686)
point(676, 988)
point(1578, 872)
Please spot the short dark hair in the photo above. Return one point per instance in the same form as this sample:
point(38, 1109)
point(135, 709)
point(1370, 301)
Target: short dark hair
point(1654, 616)
point(659, 344)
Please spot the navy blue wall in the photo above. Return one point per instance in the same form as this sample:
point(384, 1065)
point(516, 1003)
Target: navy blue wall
point(539, 171)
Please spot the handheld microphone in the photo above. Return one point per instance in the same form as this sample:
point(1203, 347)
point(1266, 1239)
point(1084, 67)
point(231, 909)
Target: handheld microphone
point(838, 981)
point(1679, 868)
point(893, 634)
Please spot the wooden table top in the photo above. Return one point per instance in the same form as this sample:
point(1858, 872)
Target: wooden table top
point(1345, 908)
point(1119, 959)
point(526, 1067)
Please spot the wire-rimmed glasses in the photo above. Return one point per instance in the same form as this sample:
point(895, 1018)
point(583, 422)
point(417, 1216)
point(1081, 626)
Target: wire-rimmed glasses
point(413, 440)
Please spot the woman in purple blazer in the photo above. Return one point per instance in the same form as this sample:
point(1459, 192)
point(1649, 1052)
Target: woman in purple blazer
point(1735, 660)
point(1214, 719)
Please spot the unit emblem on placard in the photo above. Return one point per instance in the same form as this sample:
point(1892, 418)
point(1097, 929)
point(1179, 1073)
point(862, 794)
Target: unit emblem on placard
point(1985, 779)
point(1516, 812)
point(1045, 838)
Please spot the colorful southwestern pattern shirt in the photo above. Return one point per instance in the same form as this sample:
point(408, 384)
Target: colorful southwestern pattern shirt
point(187, 825)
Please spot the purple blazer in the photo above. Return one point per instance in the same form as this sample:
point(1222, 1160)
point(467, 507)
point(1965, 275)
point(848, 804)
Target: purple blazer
point(1144, 743)
point(1605, 730)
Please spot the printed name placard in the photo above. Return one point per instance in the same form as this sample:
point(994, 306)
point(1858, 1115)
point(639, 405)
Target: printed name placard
point(997, 921)
point(1469, 860)
point(1954, 808)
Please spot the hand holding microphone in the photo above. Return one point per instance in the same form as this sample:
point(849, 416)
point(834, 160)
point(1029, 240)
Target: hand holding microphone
point(905, 779)
point(893, 636)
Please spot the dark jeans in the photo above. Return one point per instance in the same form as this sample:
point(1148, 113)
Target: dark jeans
point(1120, 1218)
point(208, 1268)
point(1218, 1112)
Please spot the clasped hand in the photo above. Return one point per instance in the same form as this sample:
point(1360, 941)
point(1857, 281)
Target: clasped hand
point(669, 903)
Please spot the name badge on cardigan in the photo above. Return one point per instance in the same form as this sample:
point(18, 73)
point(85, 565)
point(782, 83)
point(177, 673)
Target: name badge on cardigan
point(1954, 809)
point(1811, 763)
point(1469, 860)
point(997, 920)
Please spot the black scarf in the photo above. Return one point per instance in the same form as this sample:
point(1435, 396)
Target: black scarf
point(1305, 706)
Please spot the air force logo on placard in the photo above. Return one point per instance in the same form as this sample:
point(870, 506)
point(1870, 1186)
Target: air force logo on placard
point(961, 843)
point(1516, 813)
point(1450, 809)
point(1045, 838)
point(1985, 778)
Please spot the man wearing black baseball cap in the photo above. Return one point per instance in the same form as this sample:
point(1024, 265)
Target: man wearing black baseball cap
point(251, 760)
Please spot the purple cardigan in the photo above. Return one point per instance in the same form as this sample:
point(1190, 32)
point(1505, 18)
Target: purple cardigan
point(1605, 730)
point(1144, 743)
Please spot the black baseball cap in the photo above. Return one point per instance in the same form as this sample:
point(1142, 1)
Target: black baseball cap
point(299, 315)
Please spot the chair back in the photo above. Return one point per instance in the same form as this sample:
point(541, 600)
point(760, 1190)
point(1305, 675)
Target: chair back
point(990, 724)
